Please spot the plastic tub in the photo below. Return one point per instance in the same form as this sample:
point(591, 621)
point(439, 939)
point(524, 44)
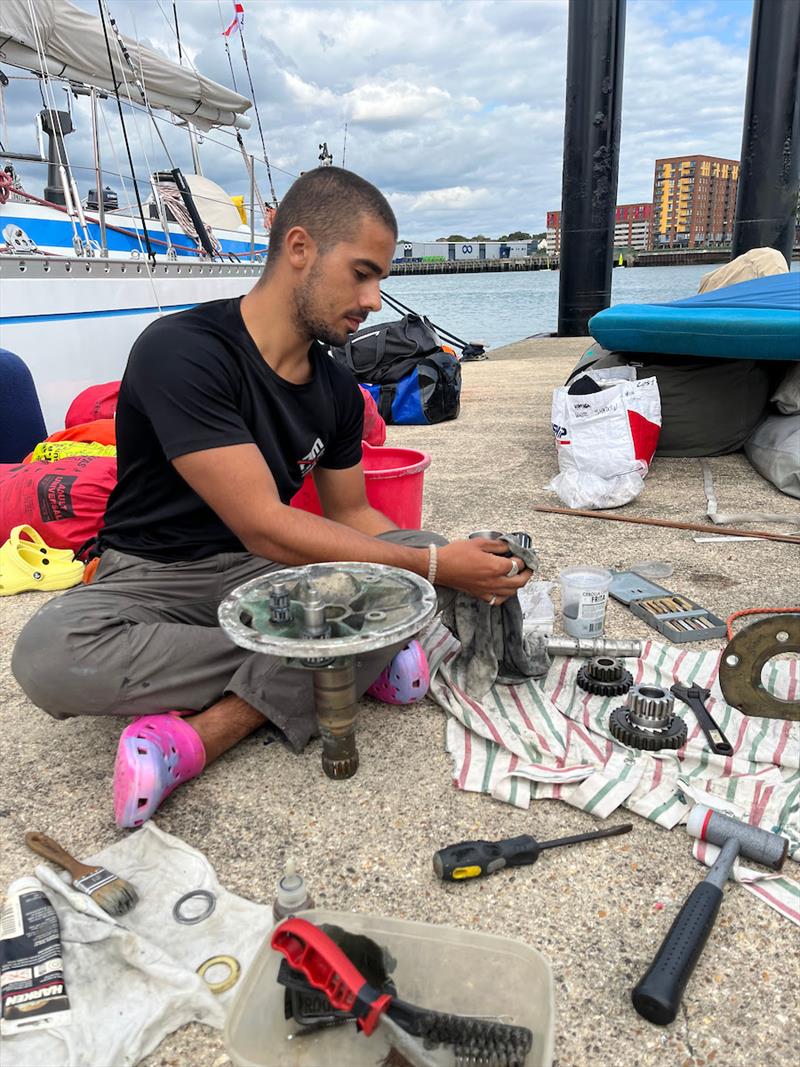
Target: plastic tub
point(584, 597)
point(437, 967)
point(394, 479)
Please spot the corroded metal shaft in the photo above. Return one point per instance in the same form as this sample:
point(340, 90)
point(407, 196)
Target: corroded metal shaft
point(589, 647)
point(337, 712)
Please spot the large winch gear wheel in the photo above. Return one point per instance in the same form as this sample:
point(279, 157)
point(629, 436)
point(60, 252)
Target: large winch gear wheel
point(604, 676)
point(647, 720)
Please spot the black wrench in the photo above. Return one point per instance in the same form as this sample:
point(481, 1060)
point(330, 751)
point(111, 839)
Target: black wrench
point(695, 696)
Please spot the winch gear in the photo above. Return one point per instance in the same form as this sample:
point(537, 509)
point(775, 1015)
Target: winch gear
point(604, 676)
point(647, 721)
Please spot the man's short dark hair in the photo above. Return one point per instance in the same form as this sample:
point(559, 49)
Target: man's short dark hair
point(329, 203)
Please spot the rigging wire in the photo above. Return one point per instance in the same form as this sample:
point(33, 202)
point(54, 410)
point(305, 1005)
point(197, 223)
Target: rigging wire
point(123, 53)
point(49, 104)
point(398, 305)
point(177, 31)
point(258, 115)
point(150, 253)
point(227, 48)
point(119, 172)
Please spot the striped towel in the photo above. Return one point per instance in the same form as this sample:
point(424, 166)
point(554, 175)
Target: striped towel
point(549, 739)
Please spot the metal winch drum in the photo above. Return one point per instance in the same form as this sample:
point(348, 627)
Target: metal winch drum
point(320, 618)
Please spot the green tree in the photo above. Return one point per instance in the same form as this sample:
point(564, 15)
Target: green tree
point(518, 235)
point(456, 237)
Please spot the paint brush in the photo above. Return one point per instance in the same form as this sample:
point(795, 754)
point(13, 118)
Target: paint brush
point(113, 894)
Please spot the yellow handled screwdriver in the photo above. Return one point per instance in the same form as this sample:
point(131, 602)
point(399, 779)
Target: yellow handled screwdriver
point(476, 859)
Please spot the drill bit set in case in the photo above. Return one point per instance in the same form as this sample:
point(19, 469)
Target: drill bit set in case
point(673, 615)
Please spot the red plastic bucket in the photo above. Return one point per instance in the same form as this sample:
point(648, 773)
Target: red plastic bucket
point(394, 479)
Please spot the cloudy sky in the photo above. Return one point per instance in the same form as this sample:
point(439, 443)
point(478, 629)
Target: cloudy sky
point(455, 108)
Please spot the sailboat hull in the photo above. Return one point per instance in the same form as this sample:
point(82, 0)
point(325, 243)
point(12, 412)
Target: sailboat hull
point(73, 321)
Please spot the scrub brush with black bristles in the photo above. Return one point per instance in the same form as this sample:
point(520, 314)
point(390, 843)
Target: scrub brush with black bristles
point(313, 961)
point(112, 894)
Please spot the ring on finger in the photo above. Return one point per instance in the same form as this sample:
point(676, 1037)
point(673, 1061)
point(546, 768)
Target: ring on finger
point(514, 569)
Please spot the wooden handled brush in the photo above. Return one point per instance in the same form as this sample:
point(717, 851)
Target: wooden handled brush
point(113, 894)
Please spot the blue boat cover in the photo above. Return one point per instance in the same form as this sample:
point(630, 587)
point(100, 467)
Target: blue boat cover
point(758, 319)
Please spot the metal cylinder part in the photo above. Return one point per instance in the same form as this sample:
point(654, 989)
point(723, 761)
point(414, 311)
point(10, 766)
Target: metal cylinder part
point(650, 707)
point(337, 711)
point(756, 844)
point(587, 647)
point(314, 613)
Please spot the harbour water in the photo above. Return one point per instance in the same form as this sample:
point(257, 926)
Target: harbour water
point(497, 309)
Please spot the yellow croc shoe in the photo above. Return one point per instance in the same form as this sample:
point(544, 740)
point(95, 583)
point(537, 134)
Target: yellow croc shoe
point(23, 569)
point(28, 537)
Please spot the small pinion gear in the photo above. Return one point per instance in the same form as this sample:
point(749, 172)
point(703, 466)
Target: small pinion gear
point(604, 677)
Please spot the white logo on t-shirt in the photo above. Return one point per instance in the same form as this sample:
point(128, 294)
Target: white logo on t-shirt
point(309, 461)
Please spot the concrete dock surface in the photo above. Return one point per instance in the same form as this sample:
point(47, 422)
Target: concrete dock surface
point(598, 911)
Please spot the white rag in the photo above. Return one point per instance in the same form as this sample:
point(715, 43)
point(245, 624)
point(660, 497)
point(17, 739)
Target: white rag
point(550, 740)
point(131, 981)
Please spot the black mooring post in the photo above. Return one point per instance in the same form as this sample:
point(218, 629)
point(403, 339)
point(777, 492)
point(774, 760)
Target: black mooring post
point(769, 174)
point(595, 48)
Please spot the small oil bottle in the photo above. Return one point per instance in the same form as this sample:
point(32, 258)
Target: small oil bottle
point(292, 894)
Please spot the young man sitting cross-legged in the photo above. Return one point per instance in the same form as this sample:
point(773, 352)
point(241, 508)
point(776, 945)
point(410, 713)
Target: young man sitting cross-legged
point(222, 411)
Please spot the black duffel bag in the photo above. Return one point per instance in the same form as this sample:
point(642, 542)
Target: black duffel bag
point(412, 379)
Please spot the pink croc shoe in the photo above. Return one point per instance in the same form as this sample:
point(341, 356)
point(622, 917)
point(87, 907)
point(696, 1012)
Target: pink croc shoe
point(407, 678)
point(155, 754)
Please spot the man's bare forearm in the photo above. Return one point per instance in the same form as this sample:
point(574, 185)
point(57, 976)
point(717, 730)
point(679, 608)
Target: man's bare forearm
point(367, 521)
point(296, 537)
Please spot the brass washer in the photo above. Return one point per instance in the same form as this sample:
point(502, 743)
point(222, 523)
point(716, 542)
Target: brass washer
point(226, 983)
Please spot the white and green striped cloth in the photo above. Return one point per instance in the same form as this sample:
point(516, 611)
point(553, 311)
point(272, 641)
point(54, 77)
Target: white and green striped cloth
point(549, 739)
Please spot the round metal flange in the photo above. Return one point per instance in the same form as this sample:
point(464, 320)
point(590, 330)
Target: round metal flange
point(743, 660)
point(360, 607)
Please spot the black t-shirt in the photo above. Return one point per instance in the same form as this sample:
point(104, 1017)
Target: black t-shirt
point(196, 380)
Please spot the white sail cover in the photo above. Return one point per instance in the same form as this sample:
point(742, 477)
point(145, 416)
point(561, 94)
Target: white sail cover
point(74, 48)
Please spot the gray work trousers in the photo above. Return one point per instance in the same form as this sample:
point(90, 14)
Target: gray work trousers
point(143, 638)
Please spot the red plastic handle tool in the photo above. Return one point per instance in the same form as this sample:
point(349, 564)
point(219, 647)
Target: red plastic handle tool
point(310, 951)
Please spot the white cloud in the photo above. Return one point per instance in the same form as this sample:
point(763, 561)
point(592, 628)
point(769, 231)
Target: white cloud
point(455, 108)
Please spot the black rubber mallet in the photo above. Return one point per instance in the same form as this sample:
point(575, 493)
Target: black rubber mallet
point(657, 997)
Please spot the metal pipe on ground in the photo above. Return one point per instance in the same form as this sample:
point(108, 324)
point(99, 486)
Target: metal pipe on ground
point(641, 521)
point(595, 49)
point(769, 174)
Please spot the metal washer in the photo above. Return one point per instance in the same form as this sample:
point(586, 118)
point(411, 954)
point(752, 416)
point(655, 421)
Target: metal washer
point(186, 920)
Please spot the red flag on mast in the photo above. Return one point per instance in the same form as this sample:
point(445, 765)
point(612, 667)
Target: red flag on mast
point(238, 19)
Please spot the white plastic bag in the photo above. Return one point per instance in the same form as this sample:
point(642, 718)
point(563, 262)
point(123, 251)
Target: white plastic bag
point(605, 441)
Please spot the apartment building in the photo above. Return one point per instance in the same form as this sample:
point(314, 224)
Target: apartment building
point(694, 201)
